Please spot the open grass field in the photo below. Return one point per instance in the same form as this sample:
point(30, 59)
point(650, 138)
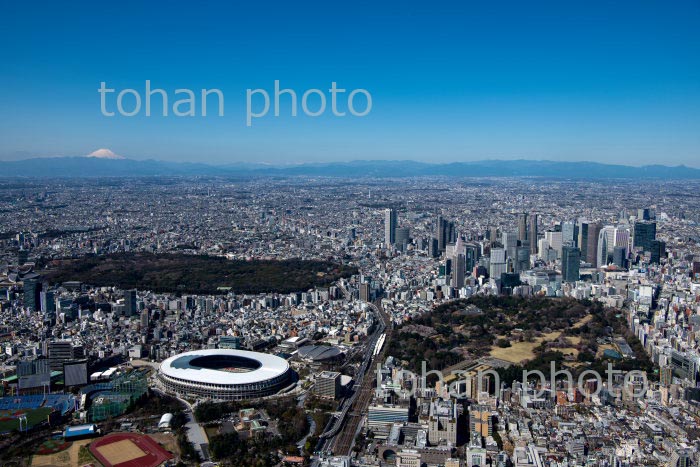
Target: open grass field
point(582, 321)
point(520, 351)
point(517, 352)
point(9, 418)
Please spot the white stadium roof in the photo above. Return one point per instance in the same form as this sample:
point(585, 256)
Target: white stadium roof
point(179, 366)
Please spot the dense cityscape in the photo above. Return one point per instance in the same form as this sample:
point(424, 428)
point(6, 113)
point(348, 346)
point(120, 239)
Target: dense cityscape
point(344, 322)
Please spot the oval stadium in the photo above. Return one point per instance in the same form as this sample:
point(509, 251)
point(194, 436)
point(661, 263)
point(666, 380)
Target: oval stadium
point(224, 375)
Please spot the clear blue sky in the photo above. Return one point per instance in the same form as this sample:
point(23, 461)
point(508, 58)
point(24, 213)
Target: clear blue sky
point(467, 80)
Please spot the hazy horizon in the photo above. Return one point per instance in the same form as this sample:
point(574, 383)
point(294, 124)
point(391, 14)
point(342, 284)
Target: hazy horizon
point(613, 83)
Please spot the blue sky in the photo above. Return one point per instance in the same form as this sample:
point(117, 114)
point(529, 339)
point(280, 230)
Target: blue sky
point(469, 80)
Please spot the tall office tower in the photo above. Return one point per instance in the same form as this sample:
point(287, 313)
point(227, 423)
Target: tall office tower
point(570, 264)
point(510, 243)
point(644, 234)
point(542, 247)
point(498, 255)
point(365, 292)
point(569, 234)
point(623, 237)
point(554, 238)
point(471, 253)
point(532, 236)
point(450, 233)
point(645, 214)
point(130, 302)
point(606, 242)
point(620, 256)
point(144, 319)
point(459, 269)
point(389, 227)
point(522, 227)
point(591, 243)
point(401, 237)
point(48, 301)
point(440, 234)
point(522, 259)
point(582, 240)
point(658, 251)
point(493, 234)
point(446, 233)
point(497, 263)
point(32, 289)
point(434, 249)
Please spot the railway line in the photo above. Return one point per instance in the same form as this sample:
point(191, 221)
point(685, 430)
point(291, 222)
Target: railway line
point(344, 437)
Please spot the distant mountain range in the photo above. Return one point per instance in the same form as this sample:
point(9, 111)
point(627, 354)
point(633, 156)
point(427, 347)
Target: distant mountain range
point(81, 167)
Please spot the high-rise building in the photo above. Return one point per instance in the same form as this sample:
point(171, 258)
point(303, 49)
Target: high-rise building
point(130, 302)
point(591, 250)
point(522, 259)
point(63, 351)
point(446, 233)
point(442, 422)
point(646, 214)
point(570, 264)
point(402, 236)
point(510, 243)
point(644, 234)
point(498, 255)
point(471, 253)
point(434, 248)
point(522, 227)
point(492, 234)
point(606, 242)
point(582, 238)
point(459, 266)
point(144, 319)
point(554, 239)
point(390, 223)
point(327, 385)
point(620, 256)
point(365, 292)
point(658, 251)
point(497, 264)
point(622, 237)
point(532, 236)
point(666, 376)
point(569, 233)
point(47, 301)
point(32, 290)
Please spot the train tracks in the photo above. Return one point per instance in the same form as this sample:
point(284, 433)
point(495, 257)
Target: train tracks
point(343, 441)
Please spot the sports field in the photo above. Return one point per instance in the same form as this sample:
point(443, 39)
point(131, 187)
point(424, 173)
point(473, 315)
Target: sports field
point(9, 419)
point(128, 450)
